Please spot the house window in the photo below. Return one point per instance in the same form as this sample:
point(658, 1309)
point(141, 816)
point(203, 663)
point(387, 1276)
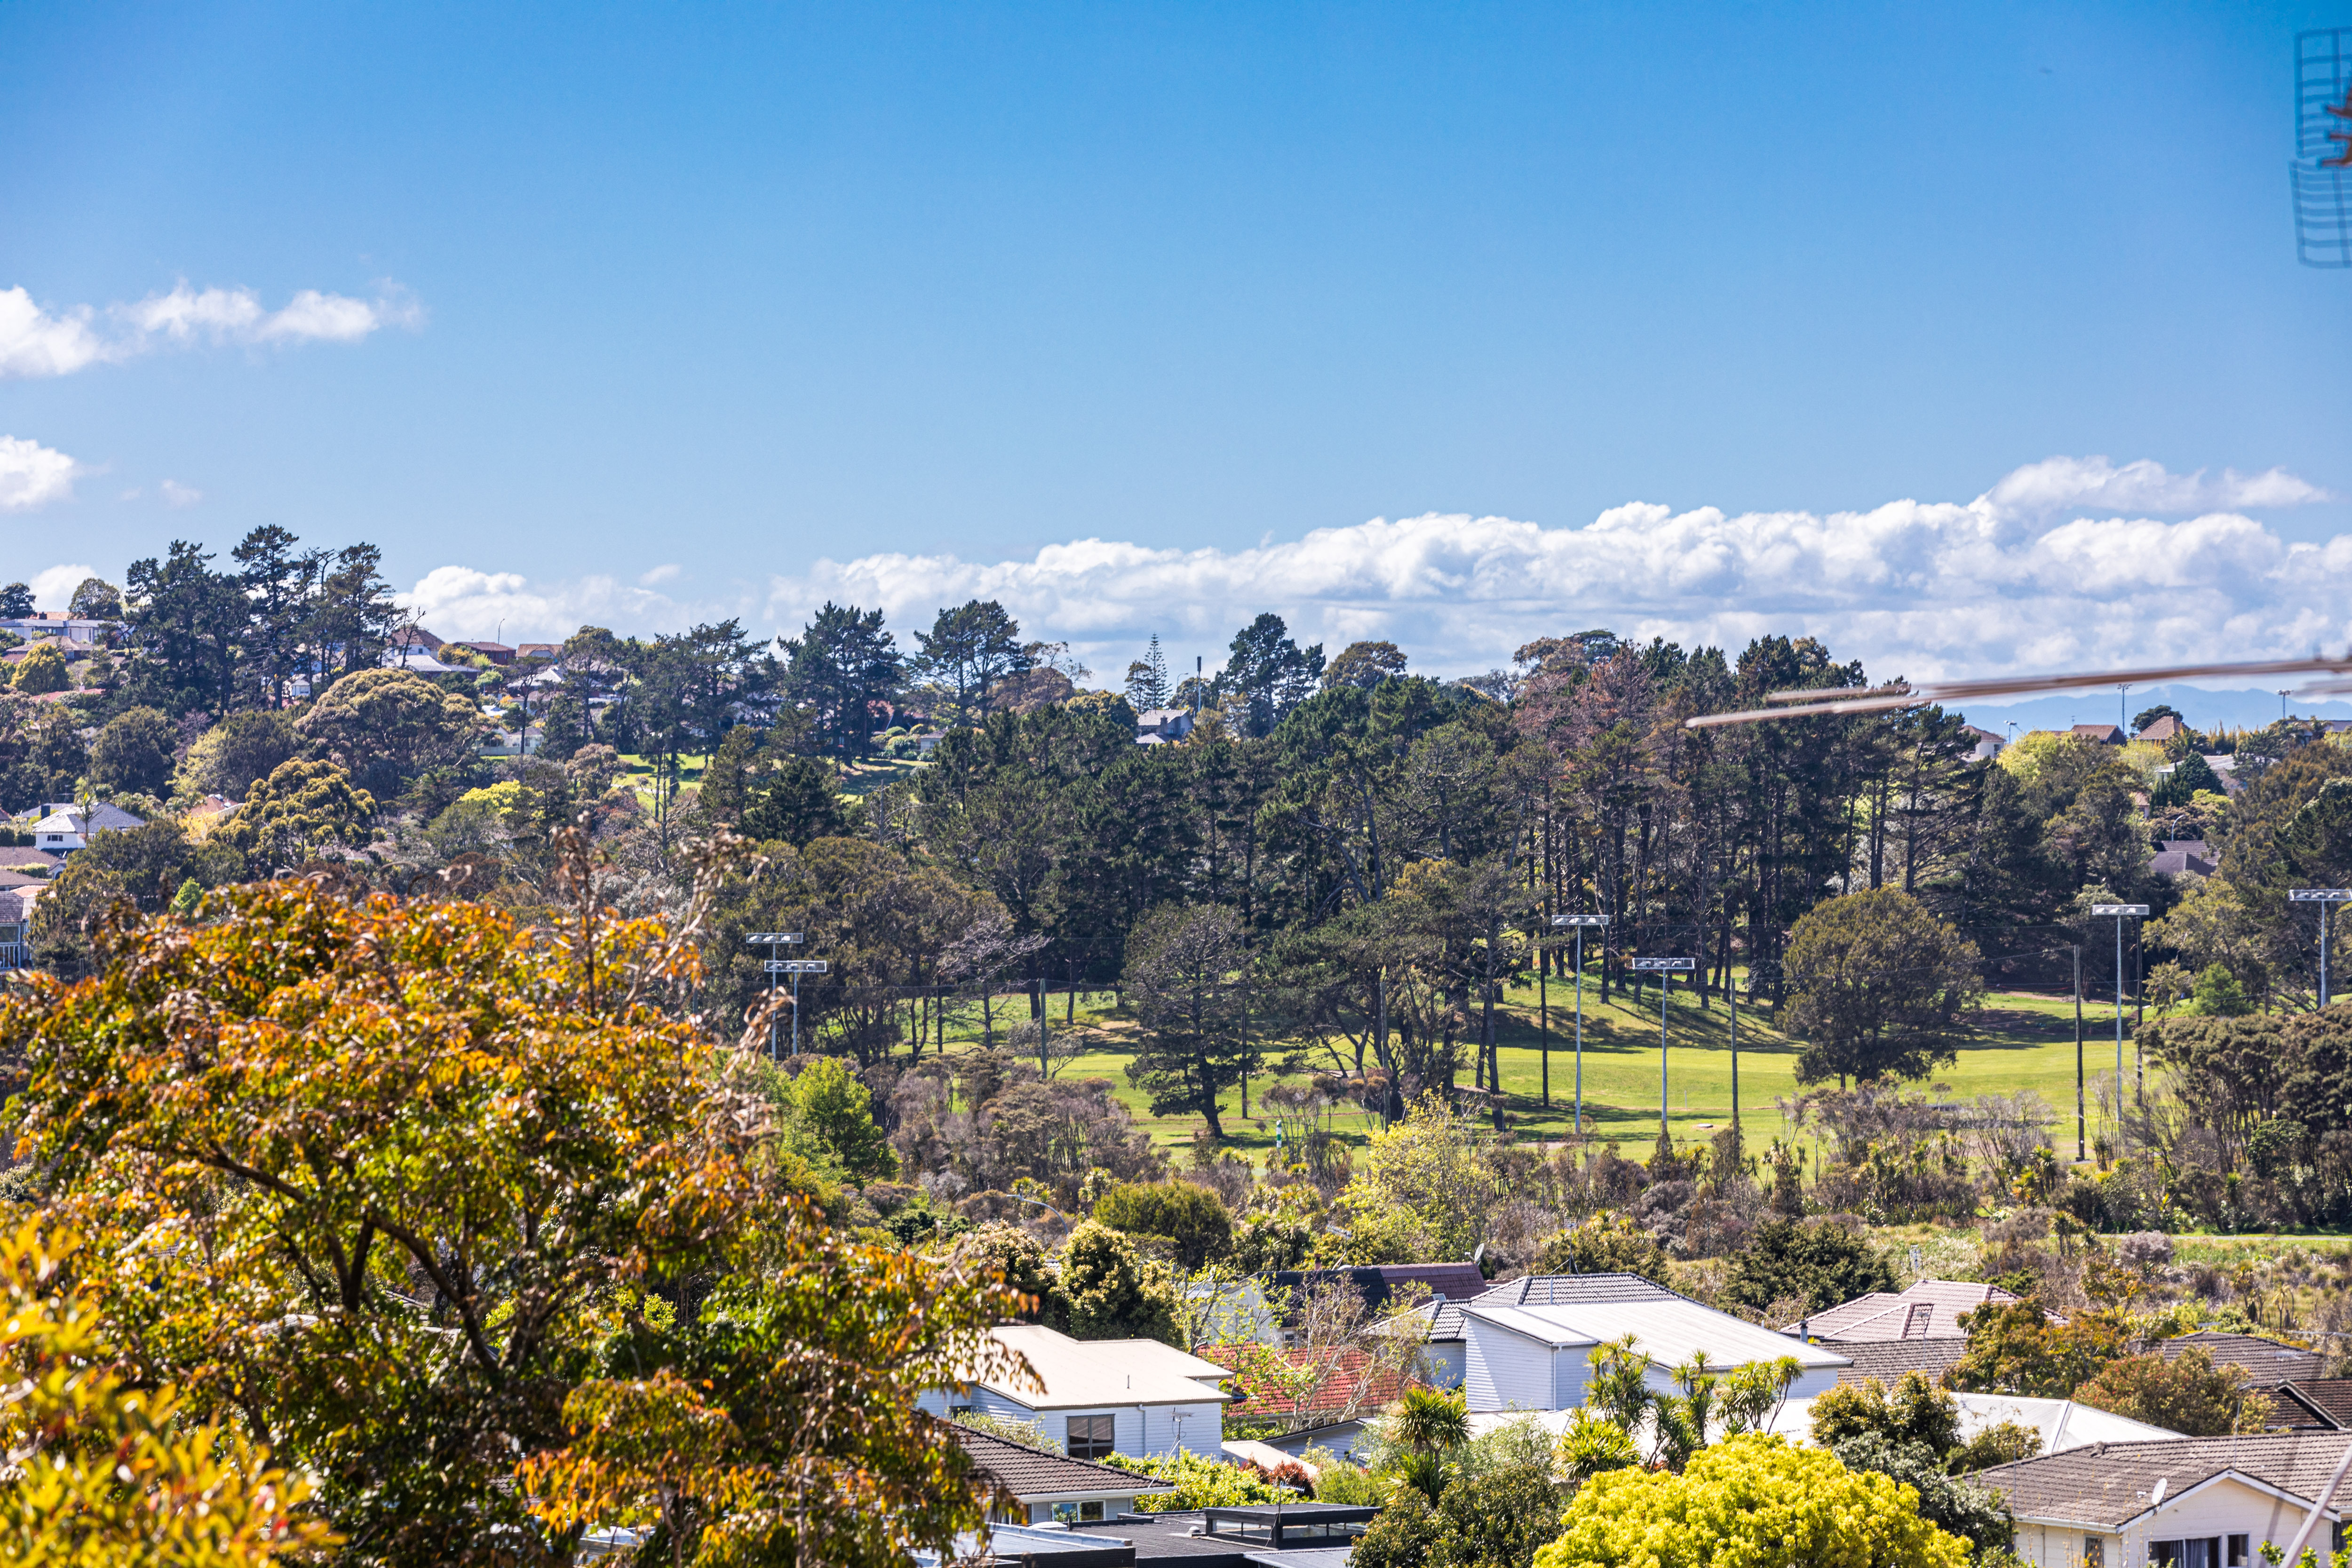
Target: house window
point(1088, 1437)
point(1078, 1512)
point(2194, 1553)
point(2239, 1555)
point(2094, 1552)
point(2165, 1554)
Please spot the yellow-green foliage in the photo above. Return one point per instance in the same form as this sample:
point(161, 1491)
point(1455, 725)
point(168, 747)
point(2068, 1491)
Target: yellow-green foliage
point(1423, 1189)
point(115, 1475)
point(1750, 1499)
point(41, 671)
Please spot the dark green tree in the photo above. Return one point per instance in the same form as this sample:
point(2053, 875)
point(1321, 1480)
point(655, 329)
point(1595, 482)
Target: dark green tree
point(96, 600)
point(1185, 980)
point(16, 601)
point(967, 651)
point(841, 668)
point(1878, 988)
point(1193, 1220)
point(1820, 1261)
point(186, 622)
point(132, 753)
point(1270, 672)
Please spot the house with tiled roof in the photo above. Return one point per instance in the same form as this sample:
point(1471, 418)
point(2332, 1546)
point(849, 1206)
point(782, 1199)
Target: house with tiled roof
point(2098, 734)
point(2163, 729)
point(1323, 1384)
point(2267, 1361)
point(2312, 1403)
point(2188, 1502)
point(1925, 1309)
point(1885, 1360)
point(1048, 1487)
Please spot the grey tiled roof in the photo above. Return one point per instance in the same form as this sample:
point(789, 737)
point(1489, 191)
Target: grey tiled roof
point(1027, 1472)
point(2269, 1362)
point(2318, 1401)
point(1548, 1290)
point(1888, 1360)
point(2106, 1484)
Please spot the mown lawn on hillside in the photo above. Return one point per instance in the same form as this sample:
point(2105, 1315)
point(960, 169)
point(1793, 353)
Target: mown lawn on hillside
point(2025, 1041)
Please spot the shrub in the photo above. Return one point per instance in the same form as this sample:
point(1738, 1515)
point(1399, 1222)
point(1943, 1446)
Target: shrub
point(1604, 1244)
point(1191, 1218)
point(1750, 1499)
point(1820, 1260)
point(41, 671)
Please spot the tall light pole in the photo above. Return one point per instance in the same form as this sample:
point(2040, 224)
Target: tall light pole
point(1663, 967)
point(770, 940)
point(1578, 924)
point(2121, 912)
point(2323, 896)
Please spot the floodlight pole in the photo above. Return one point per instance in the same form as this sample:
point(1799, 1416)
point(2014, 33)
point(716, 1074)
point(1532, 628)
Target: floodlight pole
point(1664, 967)
point(2324, 897)
point(2121, 912)
point(769, 939)
point(1579, 924)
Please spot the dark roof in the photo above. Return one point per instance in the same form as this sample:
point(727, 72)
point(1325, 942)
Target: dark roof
point(2269, 1362)
point(1027, 1472)
point(25, 854)
point(2320, 1403)
point(2106, 1484)
point(1552, 1291)
point(2179, 863)
point(1888, 1360)
point(1376, 1284)
point(1168, 1537)
point(2103, 734)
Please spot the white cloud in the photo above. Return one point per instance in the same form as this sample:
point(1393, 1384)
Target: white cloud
point(53, 589)
point(178, 494)
point(35, 341)
point(33, 475)
point(2094, 484)
point(1918, 588)
point(658, 574)
point(459, 602)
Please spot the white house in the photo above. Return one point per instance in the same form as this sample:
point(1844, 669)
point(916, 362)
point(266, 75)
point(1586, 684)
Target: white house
point(1528, 1345)
point(2190, 1502)
point(1138, 1397)
point(1161, 725)
point(65, 826)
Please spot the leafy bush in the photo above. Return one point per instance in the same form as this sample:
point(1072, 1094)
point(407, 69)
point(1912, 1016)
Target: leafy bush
point(1750, 1499)
point(1604, 1244)
point(2187, 1394)
point(1978, 1515)
point(1198, 1482)
point(1820, 1260)
point(1190, 1217)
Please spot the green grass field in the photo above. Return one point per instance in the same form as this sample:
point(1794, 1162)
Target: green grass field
point(2025, 1042)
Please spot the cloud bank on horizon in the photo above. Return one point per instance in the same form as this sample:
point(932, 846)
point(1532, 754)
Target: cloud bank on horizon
point(2018, 580)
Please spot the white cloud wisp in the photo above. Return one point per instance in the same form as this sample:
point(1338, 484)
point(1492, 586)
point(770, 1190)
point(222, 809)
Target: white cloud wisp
point(1926, 589)
point(37, 342)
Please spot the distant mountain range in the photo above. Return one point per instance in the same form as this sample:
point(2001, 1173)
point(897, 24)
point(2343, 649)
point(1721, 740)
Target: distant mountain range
point(2205, 710)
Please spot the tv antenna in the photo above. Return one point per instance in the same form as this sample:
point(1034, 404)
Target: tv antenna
point(2321, 173)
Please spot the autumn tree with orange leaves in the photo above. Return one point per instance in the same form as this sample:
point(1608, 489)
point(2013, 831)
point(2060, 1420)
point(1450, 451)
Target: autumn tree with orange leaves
point(414, 1191)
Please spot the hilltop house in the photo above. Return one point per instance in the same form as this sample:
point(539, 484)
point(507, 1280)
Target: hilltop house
point(65, 826)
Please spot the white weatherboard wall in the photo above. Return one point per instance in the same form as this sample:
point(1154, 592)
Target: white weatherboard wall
point(1444, 1363)
point(2223, 1506)
point(1506, 1370)
point(1140, 1431)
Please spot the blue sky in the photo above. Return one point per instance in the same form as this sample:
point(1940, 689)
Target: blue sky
point(649, 313)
